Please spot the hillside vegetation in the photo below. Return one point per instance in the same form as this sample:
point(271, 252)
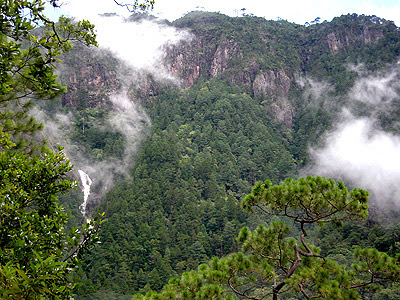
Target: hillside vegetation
point(244, 114)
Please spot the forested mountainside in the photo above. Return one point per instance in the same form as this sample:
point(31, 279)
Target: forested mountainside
point(254, 96)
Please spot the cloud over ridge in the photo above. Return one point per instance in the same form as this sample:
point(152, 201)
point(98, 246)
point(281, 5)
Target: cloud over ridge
point(358, 150)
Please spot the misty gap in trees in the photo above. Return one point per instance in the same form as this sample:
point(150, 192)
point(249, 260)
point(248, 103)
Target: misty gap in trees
point(183, 211)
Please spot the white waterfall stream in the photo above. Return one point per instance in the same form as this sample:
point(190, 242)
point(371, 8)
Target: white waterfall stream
point(86, 183)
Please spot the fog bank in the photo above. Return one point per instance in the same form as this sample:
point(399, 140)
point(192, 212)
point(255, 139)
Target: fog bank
point(358, 150)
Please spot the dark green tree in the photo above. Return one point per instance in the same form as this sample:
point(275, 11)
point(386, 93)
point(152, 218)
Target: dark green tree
point(37, 256)
point(275, 264)
point(30, 45)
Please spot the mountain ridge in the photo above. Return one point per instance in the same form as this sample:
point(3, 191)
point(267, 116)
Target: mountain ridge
point(247, 110)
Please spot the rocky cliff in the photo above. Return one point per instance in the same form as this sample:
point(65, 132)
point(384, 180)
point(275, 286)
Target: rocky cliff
point(91, 77)
point(275, 85)
point(339, 40)
point(266, 58)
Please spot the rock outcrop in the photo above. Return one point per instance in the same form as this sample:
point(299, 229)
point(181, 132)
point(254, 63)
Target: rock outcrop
point(91, 78)
point(275, 86)
point(225, 52)
point(189, 60)
point(346, 38)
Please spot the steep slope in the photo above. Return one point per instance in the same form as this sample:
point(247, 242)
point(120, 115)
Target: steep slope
point(247, 111)
point(267, 57)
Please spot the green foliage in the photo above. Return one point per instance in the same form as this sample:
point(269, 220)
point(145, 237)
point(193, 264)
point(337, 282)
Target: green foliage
point(276, 265)
point(308, 200)
point(381, 48)
point(97, 140)
point(376, 267)
point(28, 58)
point(309, 125)
point(203, 284)
point(37, 256)
point(181, 206)
point(211, 142)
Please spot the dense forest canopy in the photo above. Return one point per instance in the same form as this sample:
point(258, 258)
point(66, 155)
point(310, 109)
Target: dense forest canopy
point(257, 94)
point(254, 95)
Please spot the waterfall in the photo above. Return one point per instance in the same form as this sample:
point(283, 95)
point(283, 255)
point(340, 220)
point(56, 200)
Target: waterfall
point(86, 183)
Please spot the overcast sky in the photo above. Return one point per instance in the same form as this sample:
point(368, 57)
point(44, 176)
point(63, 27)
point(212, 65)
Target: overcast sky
point(292, 10)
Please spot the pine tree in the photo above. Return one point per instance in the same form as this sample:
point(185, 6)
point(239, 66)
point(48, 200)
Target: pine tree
point(275, 264)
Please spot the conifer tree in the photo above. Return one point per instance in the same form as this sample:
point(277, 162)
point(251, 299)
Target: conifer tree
point(275, 264)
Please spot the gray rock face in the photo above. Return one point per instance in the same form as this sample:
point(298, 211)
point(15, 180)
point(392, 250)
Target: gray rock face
point(225, 51)
point(346, 38)
point(264, 84)
point(188, 59)
point(275, 87)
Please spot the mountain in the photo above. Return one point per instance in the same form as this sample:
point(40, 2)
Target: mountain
point(253, 96)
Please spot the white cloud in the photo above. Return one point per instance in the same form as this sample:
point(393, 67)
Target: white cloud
point(138, 44)
point(376, 89)
point(357, 150)
point(367, 157)
point(291, 10)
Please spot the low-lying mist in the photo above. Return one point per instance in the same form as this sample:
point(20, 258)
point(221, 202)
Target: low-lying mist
point(126, 118)
point(359, 150)
point(138, 45)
